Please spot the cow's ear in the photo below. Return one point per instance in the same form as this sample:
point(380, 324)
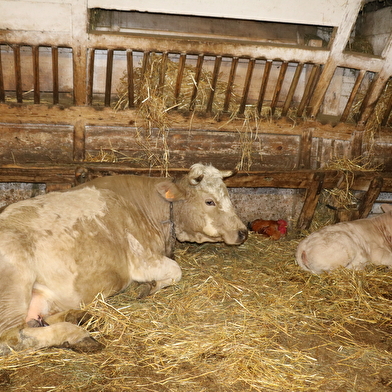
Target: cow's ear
point(170, 191)
point(386, 207)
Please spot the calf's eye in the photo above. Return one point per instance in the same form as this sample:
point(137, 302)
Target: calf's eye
point(210, 202)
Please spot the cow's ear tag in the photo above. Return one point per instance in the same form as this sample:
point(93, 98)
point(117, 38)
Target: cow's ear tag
point(169, 195)
point(170, 191)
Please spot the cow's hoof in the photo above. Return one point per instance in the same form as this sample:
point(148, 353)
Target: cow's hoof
point(86, 345)
point(78, 317)
point(146, 288)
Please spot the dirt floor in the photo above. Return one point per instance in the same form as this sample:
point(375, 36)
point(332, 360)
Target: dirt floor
point(242, 319)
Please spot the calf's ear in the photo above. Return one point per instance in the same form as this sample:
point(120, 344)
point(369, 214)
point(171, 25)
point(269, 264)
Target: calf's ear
point(386, 207)
point(170, 191)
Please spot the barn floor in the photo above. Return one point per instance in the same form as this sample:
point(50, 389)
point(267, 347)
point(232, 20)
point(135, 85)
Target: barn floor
point(242, 319)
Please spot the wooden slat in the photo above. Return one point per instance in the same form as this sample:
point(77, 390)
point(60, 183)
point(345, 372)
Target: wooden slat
point(356, 144)
point(290, 179)
point(311, 199)
point(308, 89)
point(230, 84)
point(2, 92)
point(36, 74)
point(109, 76)
point(180, 74)
point(370, 196)
point(18, 74)
point(263, 87)
point(248, 79)
point(388, 110)
point(278, 86)
point(352, 96)
point(90, 78)
point(55, 74)
point(131, 85)
point(292, 89)
point(305, 149)
point(199, 66)
point(79, 147)
point(162, 72)
point(215, 75)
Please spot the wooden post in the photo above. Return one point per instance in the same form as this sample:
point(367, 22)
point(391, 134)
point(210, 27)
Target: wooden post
point(230, 83)
point(245, 93)
point(311, 199)
point(305, 149)
point(370, 196)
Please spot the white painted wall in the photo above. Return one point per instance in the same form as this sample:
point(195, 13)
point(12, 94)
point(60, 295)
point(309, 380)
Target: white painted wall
point(36, 15)
point(59, 16)
point(318, 12)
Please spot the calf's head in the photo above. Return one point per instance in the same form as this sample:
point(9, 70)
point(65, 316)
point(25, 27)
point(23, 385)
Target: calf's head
point(204, 212)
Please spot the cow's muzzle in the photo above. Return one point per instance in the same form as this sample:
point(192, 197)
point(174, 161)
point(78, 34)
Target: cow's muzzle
point(242, 235)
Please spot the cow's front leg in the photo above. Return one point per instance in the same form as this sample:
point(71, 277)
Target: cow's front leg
point(62, 334)
point(162, 273)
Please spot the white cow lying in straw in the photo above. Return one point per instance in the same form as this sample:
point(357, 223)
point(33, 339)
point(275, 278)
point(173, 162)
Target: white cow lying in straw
point(348, 244)
point(59, 250)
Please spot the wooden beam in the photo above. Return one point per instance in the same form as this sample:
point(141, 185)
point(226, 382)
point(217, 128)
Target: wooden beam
point(36, 80)
point(278, 86)
point(292, 89)
point(215, 76)
point(245, 92)
point(311, 199)
point(370, 196)
point(230, 83)
point(305, 149)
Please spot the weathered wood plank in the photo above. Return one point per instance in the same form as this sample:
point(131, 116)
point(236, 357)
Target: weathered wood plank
point(311, 199)
point(370, 196)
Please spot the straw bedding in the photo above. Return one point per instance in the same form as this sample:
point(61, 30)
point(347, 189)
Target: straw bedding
point(242, 319)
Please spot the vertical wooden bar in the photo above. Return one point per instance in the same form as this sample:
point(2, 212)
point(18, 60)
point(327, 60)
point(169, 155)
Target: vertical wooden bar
point(248, 79)
point(215, 75)
point(293, 86)
point(263, 87)
point(278, 87)
point(162, 73)
point(370, 197)
point(131, 85)
point(81, 72)
point(356, 144)
point(388, 110)
point(79, 140)
point(55, 74)
point(37, 95)
point(305, 149)
point(311, 198)
point(18, 74)
point(180, 73)
point(199, 66)
point(352, 96)
point(109, 74)
point(90, 78)
point(146, 59)
point(2, 92)
point(230, 83)
point(308, 89)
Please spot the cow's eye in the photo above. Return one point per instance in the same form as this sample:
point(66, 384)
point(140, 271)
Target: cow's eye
point(210, 202)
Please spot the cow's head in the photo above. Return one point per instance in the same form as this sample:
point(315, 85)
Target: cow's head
point(203, 211)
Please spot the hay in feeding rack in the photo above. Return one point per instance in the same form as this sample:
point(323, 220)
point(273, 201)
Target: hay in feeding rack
point(342, 196)
point(242, 319)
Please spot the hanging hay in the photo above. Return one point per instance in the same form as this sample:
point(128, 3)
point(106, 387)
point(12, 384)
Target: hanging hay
point(242, 319)
point(342, 196)
point(148, 85)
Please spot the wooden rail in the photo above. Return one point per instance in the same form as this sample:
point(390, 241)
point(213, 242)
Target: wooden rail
point(59, 177)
